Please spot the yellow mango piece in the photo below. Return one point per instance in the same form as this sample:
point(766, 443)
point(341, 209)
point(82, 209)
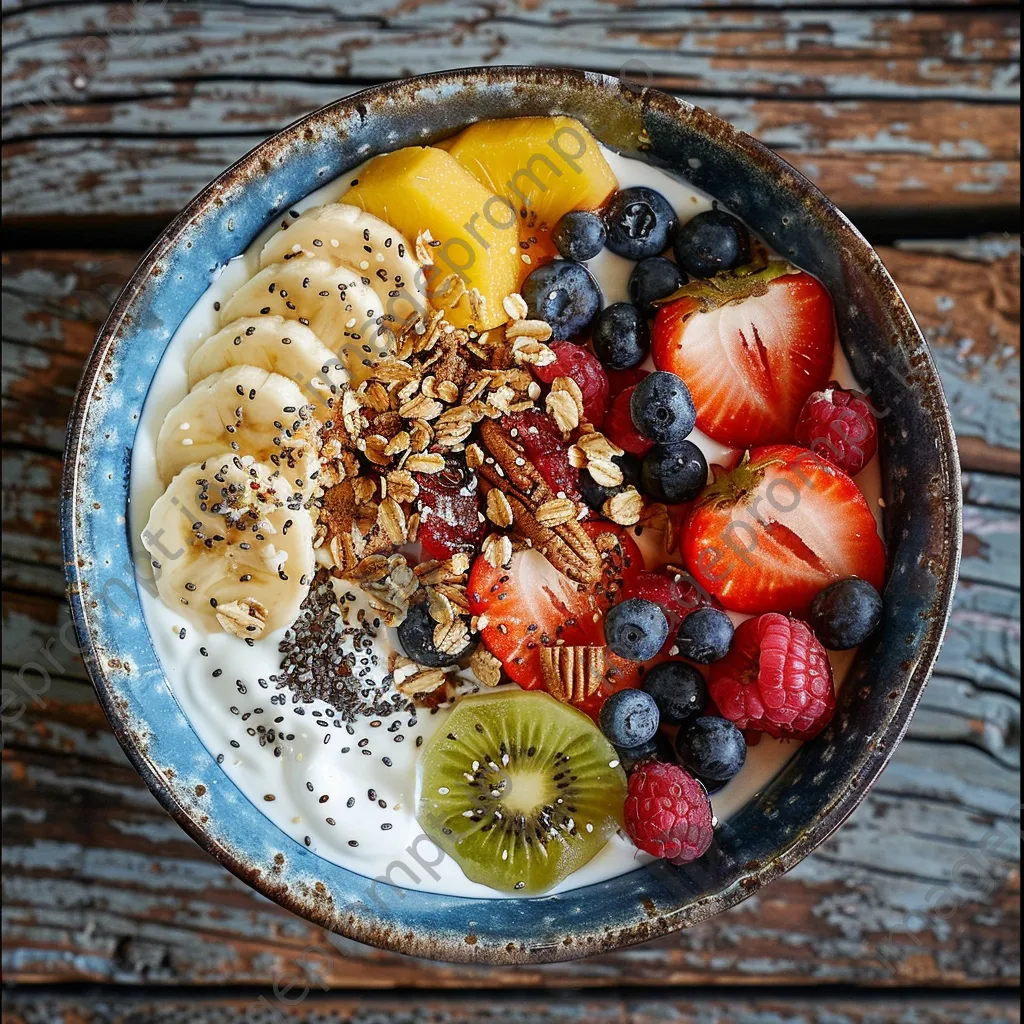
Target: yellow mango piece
point(424, 189)
point(545, 166)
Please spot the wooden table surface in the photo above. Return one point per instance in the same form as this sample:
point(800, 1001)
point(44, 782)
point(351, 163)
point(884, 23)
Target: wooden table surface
point(907, 114)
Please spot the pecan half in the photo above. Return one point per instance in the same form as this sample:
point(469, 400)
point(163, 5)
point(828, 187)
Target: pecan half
point(566, 545)
point(572, 674)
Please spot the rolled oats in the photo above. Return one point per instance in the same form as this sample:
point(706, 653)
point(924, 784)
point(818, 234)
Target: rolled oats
point(497, 550)
point(625, 507)
point(245, 618)
point(555, 512)
point(499, 511)
point(485, 666)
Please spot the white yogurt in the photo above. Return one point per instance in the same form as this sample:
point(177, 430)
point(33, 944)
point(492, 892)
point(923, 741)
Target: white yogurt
point(310, 767)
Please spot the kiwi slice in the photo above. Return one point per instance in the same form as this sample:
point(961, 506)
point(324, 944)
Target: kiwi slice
point(520, 789)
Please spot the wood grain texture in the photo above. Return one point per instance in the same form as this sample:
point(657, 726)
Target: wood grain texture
point(885, 110)
point(316, 1008)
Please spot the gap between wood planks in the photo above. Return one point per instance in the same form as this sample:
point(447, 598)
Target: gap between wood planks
point(107, 1003)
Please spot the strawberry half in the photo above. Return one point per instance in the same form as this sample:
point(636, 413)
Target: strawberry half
point(771, 533)
point(751, 347)
point(531, 605)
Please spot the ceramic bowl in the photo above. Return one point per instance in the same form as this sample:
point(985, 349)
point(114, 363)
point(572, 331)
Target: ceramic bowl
point(819, 787)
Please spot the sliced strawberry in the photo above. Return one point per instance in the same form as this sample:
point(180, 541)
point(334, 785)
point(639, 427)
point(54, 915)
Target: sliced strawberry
point(770, 534)
point(542, 439)
point(449, 508)
point(528, 606)
point(619, 429)
point(751, 348)
point(532, 605)
point(582, 366)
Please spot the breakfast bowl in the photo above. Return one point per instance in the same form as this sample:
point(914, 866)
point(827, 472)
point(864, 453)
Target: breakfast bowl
point(778, 823)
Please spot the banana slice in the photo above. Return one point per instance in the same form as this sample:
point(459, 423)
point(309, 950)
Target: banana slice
point(232, 546)
point(275, 344)
point(245, 410)
point(345, 314)
point(346, 234)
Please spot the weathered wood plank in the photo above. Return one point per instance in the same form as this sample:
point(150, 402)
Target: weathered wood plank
point(295, 1007)
point(148, 156)
point(139, 114)
point(115, 892)
point(915, 54)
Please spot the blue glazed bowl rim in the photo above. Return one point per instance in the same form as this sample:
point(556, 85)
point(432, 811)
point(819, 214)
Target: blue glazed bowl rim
point(168, 754)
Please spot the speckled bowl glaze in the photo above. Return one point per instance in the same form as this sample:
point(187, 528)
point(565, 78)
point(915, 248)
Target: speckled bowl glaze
point(820, 786)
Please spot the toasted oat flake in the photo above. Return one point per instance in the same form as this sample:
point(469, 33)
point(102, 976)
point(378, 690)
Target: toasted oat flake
point(533, 330)
point(485, 666)
point(440, 607)
point(555, 512)
point(499, 511)
point(422, 682)
point(515, 306)
point(563, 410)
point(452, 637)
point(605, 472)
point(624, 508)
point(402, 486)
point(245, 618)
point(422, 245)
point(427, 462)
point(497, 550)
point(391, 519)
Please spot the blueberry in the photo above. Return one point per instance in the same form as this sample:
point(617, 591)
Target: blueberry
point(629, 718)
point(595, 494)
point(712, 749)
point(658, 748)
point(622, 337)
point(654, 278)
point(662, 408)
point(640, 222)
point(579, 235)
point(679, 691)
point(711, 242)
point(416, 635)
point(636, 629)
point(846, 613)
point(563, 294)
point(705, 635)
point(674, 473)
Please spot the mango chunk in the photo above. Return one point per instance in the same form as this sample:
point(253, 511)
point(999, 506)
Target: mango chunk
point(477, 258)
point(545, 166)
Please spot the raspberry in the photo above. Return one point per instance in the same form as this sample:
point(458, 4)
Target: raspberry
point(449, 507)
point(619, 429)
point(582, 366)
point(668, 813)
point(776, 679)
point(545, 448)
point(677, 596)
point(619, 380)
point(839, 426)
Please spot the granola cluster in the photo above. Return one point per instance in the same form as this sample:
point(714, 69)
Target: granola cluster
point(443, 396)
